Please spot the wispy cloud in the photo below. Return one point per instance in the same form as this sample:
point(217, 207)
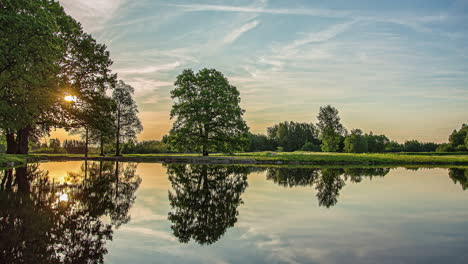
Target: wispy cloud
point(235, 34)
point(92, 14)
point(149, 69)
point(226, 8)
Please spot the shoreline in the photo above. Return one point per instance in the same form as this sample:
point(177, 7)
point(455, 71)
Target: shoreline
point(267, 159)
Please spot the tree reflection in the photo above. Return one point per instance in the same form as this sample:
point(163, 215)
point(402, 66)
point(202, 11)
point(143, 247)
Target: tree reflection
point(459, 176)
point(42, 221)
point(204, 200)
point(328, 182)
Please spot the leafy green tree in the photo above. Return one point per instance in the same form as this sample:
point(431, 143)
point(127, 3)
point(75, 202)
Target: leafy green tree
point(44, 55)
point(30, 48)
point(208, 115)
point(127, 123)
point(356, 142)
point(457, 138)
point(309, 146)
point(394, 146)
point(292, 136)
point(260, 142)
point(466, 142)
point(376, 143)
point(331, 129)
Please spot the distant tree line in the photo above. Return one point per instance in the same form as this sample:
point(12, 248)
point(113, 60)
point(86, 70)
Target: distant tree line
point(329, 135)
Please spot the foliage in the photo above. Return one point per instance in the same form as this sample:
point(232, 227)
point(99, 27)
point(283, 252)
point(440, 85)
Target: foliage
point(376, 143)
point(394, 146)
point(45, 55)
point(416, 146)
point(208, 115)
point(309, 146)
point(260, 142)
point(74, 146)
point(459, 176)
point(292, 136)
point(466, 141)
point(39, 227)
point(331, 129)
point(447, 147)
point(127, 123)
point(204, 200)
point(457, 138)
point(356, 142)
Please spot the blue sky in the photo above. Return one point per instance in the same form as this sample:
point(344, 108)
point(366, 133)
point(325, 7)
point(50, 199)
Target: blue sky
point(393, 67)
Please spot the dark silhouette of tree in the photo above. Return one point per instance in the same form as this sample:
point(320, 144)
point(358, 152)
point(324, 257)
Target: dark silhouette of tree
point(292, 177)
point(204, 200)
point(459, 176)
point(328, 182)
point(45, 222)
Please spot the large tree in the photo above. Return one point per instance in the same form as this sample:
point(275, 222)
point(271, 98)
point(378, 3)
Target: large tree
point(30, 48)
point(331, 129)
point(208, 115)
point(44, 54)
point(127, 123)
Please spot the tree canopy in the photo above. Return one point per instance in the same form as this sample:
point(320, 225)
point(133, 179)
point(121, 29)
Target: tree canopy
point(331, 129)
point(127, 123)
point(207, 112)
point(44, 55)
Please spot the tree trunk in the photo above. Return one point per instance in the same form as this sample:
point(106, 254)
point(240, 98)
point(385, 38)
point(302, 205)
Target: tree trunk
point(102, 145)
point(86, 141)
point(23, 140)
point(116, 179)
point(12, 147)
point(117, 136)
point(22, 179)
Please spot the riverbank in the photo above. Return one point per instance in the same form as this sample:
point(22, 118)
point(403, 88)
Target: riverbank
point(265, 158)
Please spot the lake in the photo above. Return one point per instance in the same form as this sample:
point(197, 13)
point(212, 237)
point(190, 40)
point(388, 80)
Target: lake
point(93, 212)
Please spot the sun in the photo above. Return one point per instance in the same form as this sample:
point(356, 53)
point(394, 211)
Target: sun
point(70, 98)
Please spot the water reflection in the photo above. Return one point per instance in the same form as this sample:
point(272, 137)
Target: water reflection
point(42, 221)
point(459, 176)
point(204, 200)
point(328, 182)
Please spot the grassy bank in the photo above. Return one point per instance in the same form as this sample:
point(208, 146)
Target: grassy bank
point(294, 158)
point(12, 160)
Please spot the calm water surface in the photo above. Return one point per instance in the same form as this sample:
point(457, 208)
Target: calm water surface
point(69, 212)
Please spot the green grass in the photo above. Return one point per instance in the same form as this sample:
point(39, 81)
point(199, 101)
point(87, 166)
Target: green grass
point(9, 160)
point(291, 158)
point(352, 158)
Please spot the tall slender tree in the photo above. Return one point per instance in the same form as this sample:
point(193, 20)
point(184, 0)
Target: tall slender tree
point(331, 129)
point(127, 123)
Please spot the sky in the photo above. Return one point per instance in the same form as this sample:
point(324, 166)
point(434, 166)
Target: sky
point(395, 67)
